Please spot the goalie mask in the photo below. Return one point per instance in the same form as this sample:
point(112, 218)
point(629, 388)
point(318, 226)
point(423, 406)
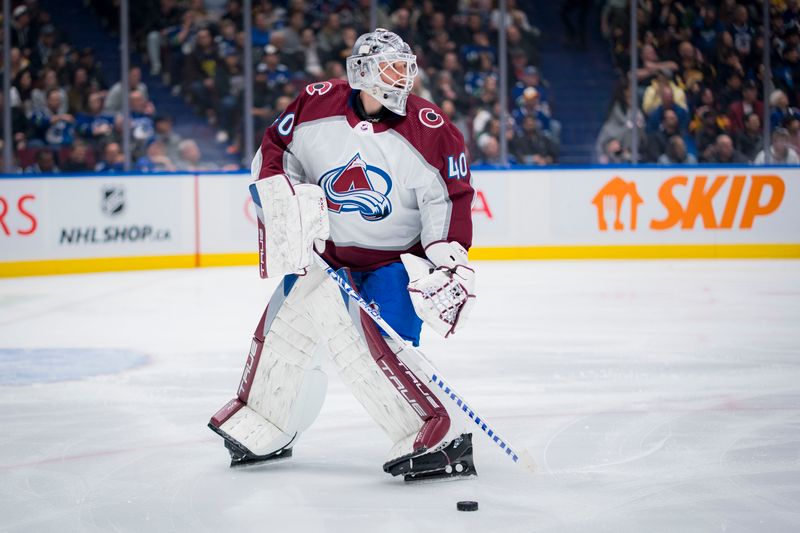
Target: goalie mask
point(384, 67)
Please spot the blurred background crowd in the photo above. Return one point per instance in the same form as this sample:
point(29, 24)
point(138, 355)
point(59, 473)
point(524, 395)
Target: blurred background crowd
point(700, 78)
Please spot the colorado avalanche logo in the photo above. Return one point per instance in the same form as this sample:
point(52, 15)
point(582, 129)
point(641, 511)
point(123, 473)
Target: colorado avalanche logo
point(360, 187)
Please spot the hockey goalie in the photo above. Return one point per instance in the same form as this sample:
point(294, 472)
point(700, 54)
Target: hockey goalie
point(376, 180)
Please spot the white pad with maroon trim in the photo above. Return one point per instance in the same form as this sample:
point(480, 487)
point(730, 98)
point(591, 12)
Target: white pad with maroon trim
point(291, 218)
point(357, 368)
point(408, 411)
point(283, 385)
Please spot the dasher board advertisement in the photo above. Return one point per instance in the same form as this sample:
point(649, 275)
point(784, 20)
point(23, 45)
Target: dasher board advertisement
point(96, 217)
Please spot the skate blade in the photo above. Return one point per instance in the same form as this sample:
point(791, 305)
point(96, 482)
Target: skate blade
point(439, 479)
point(247, 464)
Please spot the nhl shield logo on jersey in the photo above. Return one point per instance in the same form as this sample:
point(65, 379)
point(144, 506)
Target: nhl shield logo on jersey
point(360, 187)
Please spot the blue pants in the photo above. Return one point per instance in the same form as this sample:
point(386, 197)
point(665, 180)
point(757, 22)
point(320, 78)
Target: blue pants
point(387, 287)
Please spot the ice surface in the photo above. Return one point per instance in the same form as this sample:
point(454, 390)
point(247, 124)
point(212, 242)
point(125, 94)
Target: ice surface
point(654, 396)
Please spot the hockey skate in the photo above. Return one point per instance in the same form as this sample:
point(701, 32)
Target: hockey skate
point(241, 456)
point(453, 460)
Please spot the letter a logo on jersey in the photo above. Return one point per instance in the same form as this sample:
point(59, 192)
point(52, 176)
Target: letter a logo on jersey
point(360, 187)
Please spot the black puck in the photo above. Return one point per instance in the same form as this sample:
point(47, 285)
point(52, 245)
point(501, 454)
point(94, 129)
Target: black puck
point(467, 506)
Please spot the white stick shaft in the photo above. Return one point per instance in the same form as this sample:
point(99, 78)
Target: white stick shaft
point(433, 375)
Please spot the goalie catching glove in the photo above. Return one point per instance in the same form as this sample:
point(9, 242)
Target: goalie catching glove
point(442, 289)
point(291, 220)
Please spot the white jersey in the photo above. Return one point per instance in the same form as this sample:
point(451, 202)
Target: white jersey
point(393, 186)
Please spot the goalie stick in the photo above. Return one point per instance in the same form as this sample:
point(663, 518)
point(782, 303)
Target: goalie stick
point(430, 371)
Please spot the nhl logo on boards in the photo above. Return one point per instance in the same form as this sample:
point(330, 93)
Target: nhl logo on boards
point(112, 201)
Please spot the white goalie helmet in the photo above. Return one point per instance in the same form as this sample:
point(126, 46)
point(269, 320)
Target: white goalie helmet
point(383, 66)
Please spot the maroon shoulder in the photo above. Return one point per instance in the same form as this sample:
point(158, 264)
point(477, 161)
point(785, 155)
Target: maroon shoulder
point(323, 99)
point(430, 132)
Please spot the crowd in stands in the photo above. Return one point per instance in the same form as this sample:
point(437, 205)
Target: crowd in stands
point(197, 47)
point(700, 82)
point(67, 117)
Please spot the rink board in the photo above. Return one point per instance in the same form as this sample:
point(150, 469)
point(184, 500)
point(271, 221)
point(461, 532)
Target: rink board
point(57, 224)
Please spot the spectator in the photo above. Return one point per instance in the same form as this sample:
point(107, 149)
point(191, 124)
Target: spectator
point(524, 43)
point(190, 157)
point(227, 41)
point(44, 48)
point(180, 39)
point(19, 122)
point(707, 29)
point(667, 104)
point(201, 71)
point(45, 163)
point(142, 125)
point(743, 34)
point(78, 158)
point(52, 127)
point(787, 71)
point(292, 37)
point(489, 148)
point(114, 98)
point(780, 109)
point(229, 86)
point(156, 29)
point(653, 93)
point(78, 91)
point(723, 151)
point(792, 125)
point(748, 104)
point(113, 159)
point(86, 61)
point(261, 31)
point(781, 152)
point(313, 63)
point(691, 68)
point(620, 122)
point(49, 82)
point(749, 141)
point(652, 66)
point(277, 75)
point(165, 134)
point(329, 37)
point(732, 91)
point(23, 35)
point(708, 132)
point(676, 153)
point(445, 88)
point(451, 111)
point(614, 153)
point(530, 77)
point(155, 159)
point(531, 147)
point(95, 125)
point(531, 106)
point(658, 141)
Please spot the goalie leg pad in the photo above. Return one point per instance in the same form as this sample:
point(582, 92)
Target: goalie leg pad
point(282, 386)
point(392, 393)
